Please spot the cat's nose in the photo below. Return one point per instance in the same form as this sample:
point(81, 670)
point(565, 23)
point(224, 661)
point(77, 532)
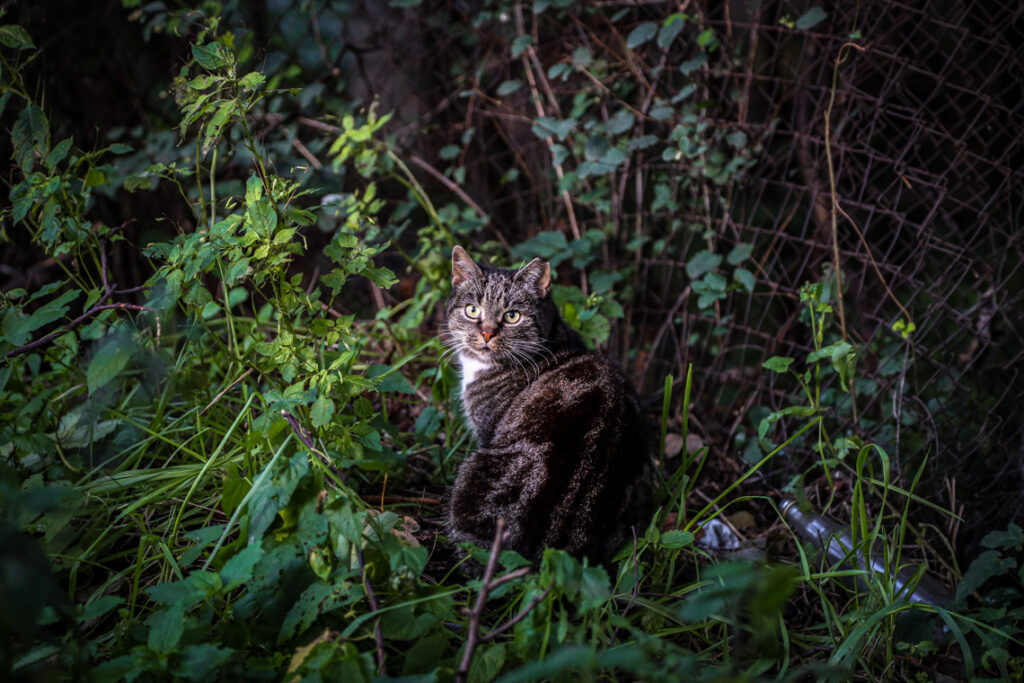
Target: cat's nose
point(487, 335)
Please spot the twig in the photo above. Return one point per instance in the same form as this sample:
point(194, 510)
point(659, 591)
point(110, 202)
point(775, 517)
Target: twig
point(307, 440)
point(375, 606)
point(481, 600)
point(421, 500)
point(519, 617)
point(447, 182)
point(306, 154)
point(81, 319)
point(832, 182)
point(226, 389)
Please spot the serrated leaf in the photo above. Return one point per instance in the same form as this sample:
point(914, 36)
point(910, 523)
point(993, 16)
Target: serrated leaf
point(165, 628)
point(811, 18)
point(16, 37)
point(238, 569)
point(58, 154)
point(388, 379)
point(641, 34)
point(1011, 539)
point(29, 137)
point(253, 80)
point(210, 56)
point(108, 363)
point(322, 411)
point(777, 363)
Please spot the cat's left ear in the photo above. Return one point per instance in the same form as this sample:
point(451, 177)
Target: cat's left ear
point(463, 267)
point(536, 274)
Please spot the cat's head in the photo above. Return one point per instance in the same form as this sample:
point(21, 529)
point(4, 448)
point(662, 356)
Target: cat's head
point(500, 316)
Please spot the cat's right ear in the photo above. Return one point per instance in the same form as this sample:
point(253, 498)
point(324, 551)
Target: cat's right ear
point(463, 268)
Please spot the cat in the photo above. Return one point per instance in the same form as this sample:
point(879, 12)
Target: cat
point(562, 449)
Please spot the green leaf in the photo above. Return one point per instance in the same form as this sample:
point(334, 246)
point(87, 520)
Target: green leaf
point(108, 362)
point(238, 569)
point(16, 37)
point(597, 147)
point(509, 87)
point(275, 494)
point(389, 380)
point(676, 539)
point(449, 152)
point(211, 56)
point(670, 29)
point(777, 363)
point(262, 217)
point(165, 628)
point(702, 262)
point(1011, 539)
point(691, 65)
point(985, 566)
point(520, 44)
point(811, 18)
point(253, 80)
point(641, 34)
point(58, 153)
point(546, 126)
point(29, 137)
point(740, 253)
point(582, 56)
point(745, 278)
point(200, 660)
point(100, 606)
point(322, 411)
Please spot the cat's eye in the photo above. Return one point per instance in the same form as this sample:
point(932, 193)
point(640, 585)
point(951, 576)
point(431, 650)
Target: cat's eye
point(472, 311)
point(512, 317)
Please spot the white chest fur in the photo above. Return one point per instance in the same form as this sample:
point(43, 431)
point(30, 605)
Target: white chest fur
point(471, 367)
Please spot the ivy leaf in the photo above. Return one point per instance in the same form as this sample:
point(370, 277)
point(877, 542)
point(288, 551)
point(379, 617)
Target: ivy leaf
point(641, 34)
point(811, 18)
point(777, 363)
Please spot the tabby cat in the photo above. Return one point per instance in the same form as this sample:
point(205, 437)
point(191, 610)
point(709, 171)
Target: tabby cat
point(561, 446)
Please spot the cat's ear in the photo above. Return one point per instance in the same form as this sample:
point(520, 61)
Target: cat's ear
point(536, 274)
point(463, 267)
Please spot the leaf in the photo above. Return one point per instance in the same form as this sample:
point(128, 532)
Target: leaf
point(745, 278)
point(520, 44)
point(702, 262)
point(253, 80)
point(108, 362)
point(200, 660)
point(641, 34)
point(58, 153)
point(509, 87)
point(670, 29)
point(582, 56)
point(740, 253)
point(29, 137)
point(165, 628)
point(676, 538)
point(546, 126)
point(389, 380)
point(262, 217)
point(597, 147)
point(1011, 539)
point(270, 498)
point(985, 566)
point(449, 152)
point(98, 607)
point(811, 18)
point(691, 65)
point(16, 37)
point(322, 411)
point(210, 56)
point(777, 363)
point(238, 569)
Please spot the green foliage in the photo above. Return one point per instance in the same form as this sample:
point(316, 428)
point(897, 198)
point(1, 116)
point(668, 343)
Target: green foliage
point(193, 487)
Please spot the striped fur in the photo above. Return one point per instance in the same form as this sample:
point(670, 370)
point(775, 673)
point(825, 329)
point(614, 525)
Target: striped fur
point(561, 446)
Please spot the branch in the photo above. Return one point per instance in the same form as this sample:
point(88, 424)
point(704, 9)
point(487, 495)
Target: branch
point(447, 182)
point(375, 606)
point(99, 307)
point(307, 440)
point(519, 617)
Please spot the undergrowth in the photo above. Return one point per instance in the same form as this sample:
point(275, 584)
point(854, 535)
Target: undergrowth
point(222, 475)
